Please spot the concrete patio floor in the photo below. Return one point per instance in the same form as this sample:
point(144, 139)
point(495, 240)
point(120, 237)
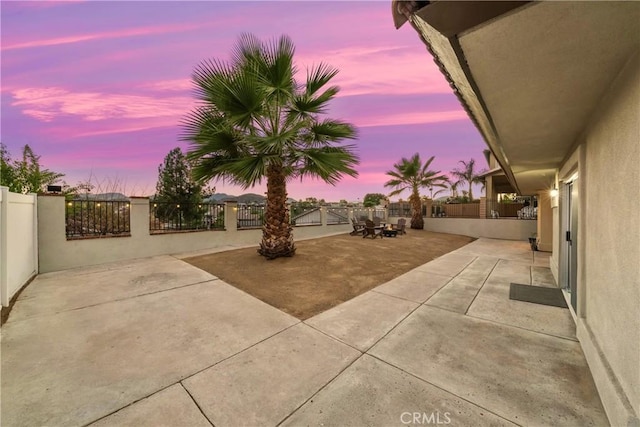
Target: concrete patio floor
point(160, 342)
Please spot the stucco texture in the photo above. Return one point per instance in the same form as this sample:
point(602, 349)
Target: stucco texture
point(612, 248)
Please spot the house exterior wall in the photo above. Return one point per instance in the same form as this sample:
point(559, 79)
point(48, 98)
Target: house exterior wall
point(609, 256)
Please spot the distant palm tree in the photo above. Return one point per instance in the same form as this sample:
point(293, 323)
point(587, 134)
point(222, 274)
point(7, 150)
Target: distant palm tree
point(468, 174)
point(256, 121)
point(411, 174)
point(433, 194)
point(453, 186)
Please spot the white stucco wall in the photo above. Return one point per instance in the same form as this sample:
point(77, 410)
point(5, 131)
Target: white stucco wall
point(611, 217)
point(503, 228)
point(18, 242)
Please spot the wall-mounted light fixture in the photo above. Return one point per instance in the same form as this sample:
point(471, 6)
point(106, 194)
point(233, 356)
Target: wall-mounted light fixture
point(554, 197)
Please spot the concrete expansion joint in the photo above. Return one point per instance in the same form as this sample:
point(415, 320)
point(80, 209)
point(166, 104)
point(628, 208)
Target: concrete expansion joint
point(128, 405)
point(310, 398)
point(396, 296)
point(98, 304)
point(378, 340)
point(441, 388)
point(195, 402)
point(334, 338)
point(186, 377)
point(521, 328)
point(448, 310)
point(482, 286)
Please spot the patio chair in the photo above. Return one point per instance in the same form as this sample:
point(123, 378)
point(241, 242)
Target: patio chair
point(400, 226)
point(358, 227)
point(370, 229)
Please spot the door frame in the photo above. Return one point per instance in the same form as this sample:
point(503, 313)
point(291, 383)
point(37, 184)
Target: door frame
point(569, 208)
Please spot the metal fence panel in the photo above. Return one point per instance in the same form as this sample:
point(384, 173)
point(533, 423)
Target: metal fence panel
point(166, 217)
point(400, 209)
point(305, 214)
point(508, 209)
point(97, 218)
point(250, 216)
point(337, 215)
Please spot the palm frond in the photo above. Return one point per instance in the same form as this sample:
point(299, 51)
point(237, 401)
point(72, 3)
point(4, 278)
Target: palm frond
point(319, 76)
point(396, 192)
point(305, 104)
point(328, 163)
point(254, 115)
point(332, 130)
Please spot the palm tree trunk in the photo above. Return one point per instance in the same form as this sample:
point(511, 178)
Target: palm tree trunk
point(470, 192)
point(417, 222)
point(277, 239)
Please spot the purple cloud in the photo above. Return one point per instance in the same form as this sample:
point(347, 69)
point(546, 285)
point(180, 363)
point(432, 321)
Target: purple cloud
point(99, 88)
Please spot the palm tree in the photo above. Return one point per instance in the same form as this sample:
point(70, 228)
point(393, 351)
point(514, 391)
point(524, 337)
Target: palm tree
point(411, 174)
point(256, 121)
point(468, 174)
point(453, 186)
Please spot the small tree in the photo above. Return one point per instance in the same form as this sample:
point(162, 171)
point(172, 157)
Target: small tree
point(7, 171)
point(373, 199)
point(411, 174)
point(26, 175)
point(469, 175)
point(177, 194)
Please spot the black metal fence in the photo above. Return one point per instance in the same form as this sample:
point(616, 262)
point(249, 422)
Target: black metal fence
point(400, 209)
point(250, 216)
point(337, 216)
point(380, 213)
point(97, 218)
point(361, 214)
point(170, 217)
point(305, 214)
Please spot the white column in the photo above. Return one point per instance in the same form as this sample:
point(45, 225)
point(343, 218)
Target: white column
point(231, 216)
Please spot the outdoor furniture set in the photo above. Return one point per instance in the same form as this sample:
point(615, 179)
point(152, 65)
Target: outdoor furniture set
point(376, 228)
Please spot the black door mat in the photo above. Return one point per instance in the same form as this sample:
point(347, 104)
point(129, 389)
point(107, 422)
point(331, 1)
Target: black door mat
point(537, 295)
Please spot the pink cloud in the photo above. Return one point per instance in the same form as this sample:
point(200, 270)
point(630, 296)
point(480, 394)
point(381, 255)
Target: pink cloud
point(46, 104)
point(139, 125)
point(130, 32)
point(386, 70)
point(170, 85)
point(417, 117)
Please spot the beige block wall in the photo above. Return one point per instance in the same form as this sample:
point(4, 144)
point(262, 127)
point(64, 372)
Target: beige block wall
point(58, 253)
point(503, 228)
point(609, 318)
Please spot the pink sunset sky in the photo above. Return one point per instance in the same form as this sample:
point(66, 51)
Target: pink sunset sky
point(98, 89)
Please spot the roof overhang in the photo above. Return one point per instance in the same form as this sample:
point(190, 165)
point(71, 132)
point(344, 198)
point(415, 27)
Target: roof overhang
point(529, 74)
point(492, 172)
